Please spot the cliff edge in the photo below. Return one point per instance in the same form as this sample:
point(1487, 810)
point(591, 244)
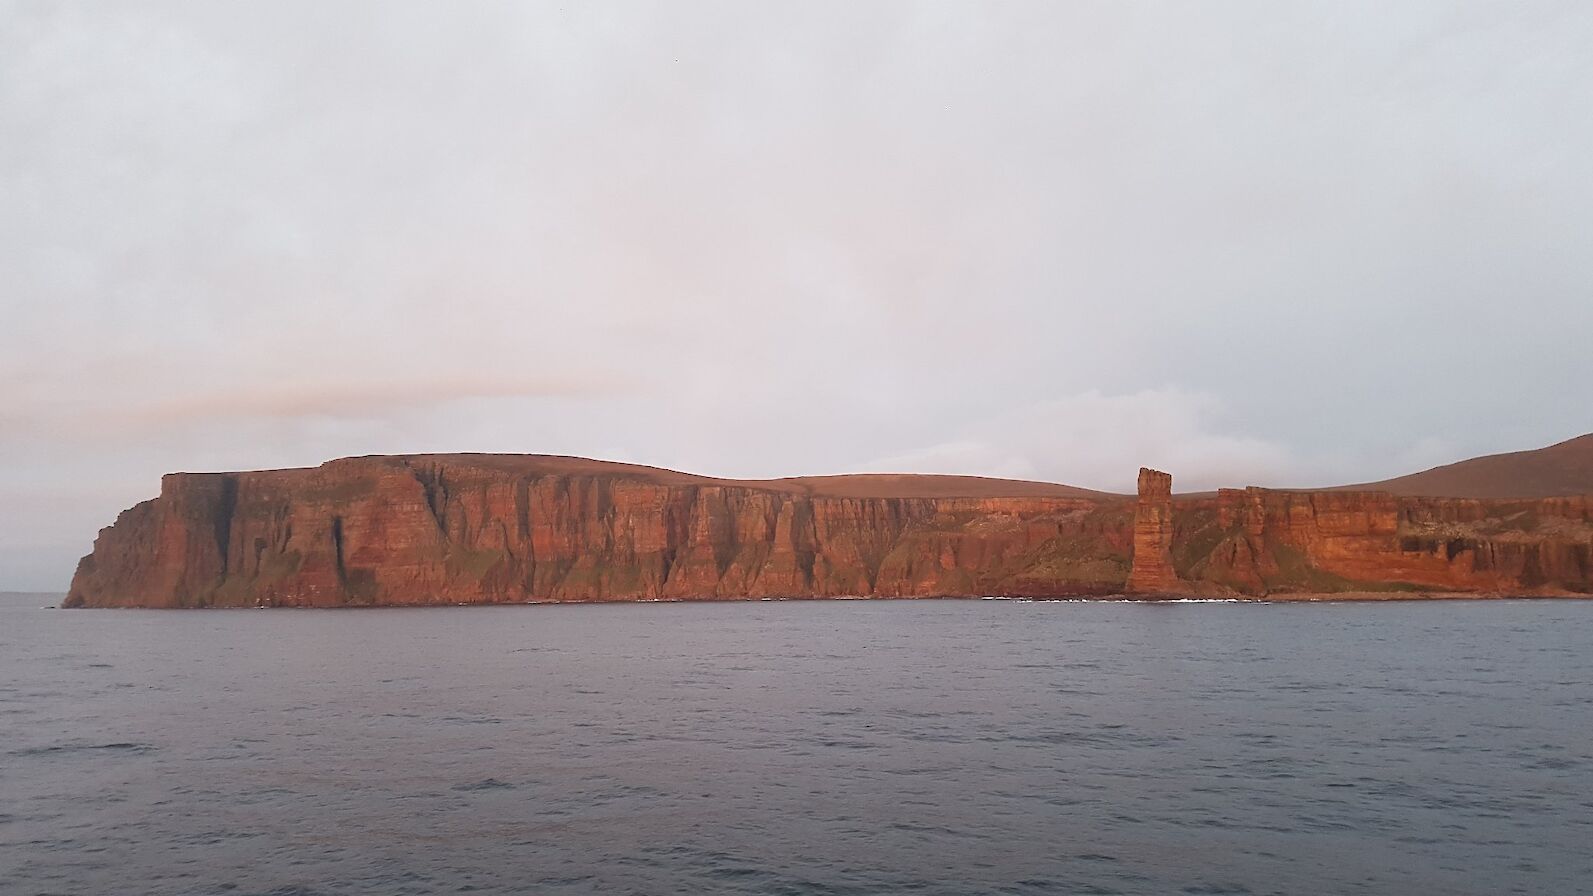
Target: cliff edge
point(445, 529)
point(498, 528)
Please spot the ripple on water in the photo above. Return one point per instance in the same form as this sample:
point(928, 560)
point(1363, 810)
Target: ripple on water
point(484, 784)
point(62, 749)
point(933, 748)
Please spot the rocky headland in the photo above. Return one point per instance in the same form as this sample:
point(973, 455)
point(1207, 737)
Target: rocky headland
point(450, 529)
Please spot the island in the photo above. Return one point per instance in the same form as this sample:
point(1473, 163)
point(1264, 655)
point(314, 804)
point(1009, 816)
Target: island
point(495, 529)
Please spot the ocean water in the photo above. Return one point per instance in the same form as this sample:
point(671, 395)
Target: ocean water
point(930, 747)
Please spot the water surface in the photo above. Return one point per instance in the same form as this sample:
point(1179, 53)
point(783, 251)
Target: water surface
point(933, 747)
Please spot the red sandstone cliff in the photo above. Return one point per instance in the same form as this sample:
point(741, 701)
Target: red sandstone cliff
point(487, 529)
point(1259, 541)
point(495, 528)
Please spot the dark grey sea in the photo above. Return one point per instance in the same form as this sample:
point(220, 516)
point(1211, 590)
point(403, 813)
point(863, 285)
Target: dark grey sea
point(925, 747)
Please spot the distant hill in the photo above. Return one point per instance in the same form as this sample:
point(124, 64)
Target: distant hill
point(1562, 469)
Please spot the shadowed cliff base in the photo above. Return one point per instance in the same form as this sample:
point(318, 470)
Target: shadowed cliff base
point(483, 528)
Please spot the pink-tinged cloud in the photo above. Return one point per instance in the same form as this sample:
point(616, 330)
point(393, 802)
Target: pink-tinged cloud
point(344, 399)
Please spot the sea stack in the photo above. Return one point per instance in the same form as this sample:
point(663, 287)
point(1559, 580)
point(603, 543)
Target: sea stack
point(1152, 571)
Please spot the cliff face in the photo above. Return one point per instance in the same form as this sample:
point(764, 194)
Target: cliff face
point(1257, 541)
point(490, 529)
point(450, 530)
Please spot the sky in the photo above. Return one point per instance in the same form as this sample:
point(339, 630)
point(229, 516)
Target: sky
point(1249, 243)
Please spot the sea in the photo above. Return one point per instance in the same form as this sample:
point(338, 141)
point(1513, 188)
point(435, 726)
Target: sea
point(801, 747)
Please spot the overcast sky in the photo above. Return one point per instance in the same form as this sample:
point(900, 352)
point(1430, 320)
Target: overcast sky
point(1250, 243)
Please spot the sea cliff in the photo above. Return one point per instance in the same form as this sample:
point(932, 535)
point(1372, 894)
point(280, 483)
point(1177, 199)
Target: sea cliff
point(446, 529)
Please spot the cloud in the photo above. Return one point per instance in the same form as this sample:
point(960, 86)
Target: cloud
point(1099, 441)
point(356, 400)
point(761, 240)
point(105, 398)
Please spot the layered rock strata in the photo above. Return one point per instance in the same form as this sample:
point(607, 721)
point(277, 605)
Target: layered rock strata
point(418, 530)
point(1152, 571)
point(1259, 541)
point(501, 529)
